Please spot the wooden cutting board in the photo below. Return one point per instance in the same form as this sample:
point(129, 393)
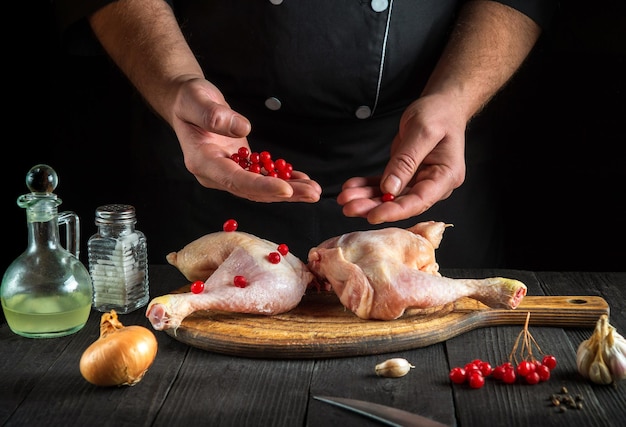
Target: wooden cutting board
point(320, 327)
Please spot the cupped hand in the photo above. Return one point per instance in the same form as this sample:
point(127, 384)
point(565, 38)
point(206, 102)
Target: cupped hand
point(209, 131)
point(426, 165)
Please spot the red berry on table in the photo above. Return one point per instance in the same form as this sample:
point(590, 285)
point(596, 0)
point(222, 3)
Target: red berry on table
point(283, 249)
point(230, 225)
point(240, 281)
point(509, 376)
point(476, 379)
point(471, 366)
point(532, 377)
point(388, 197)
point(485, 368)
point(525, 367)
point(197, 287)
point(549, 361)
point(544, 372)
point(457, 375)
point(274, 257)
point(498, 372)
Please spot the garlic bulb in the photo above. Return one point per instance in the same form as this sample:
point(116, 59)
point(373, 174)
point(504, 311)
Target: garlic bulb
point(602, 357)
point(396, 367)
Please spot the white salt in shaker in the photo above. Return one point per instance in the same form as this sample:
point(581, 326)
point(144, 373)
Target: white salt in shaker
point(118, 260)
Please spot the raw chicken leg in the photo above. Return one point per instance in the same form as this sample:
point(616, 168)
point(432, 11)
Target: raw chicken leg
point(378, 274)
point(217, 258)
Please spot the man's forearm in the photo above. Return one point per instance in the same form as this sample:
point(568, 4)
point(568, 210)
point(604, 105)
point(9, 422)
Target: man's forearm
point(144, 40)
point(489, 43)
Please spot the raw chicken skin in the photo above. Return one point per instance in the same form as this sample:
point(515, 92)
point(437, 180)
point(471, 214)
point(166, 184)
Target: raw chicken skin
point(378, 274)
point(271, 288)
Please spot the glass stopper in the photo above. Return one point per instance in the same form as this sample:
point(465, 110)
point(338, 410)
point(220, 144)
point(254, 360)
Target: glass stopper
point(42, 179)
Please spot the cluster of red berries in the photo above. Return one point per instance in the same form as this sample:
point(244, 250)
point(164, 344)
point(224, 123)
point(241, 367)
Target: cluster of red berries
point(528, 371)
point(262, 163)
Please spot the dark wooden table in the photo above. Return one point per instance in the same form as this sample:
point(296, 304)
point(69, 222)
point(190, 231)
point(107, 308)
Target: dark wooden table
point(40, 381)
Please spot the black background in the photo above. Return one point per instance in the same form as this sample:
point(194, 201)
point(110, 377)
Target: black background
point(560, 122)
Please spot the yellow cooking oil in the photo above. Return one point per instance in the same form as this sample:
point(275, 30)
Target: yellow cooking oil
point(46, 316)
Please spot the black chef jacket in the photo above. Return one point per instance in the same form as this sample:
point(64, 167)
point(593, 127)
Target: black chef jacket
point(324, 84)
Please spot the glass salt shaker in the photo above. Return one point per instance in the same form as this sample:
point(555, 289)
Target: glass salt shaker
point(118, 260)
point(46, 292)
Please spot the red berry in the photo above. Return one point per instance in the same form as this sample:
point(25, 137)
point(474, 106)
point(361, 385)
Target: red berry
point(230, 225)
point(274, 257)
point(476, 379)
point(244, 163)
point(269, 166)
point(532, 377)
point(284, 174)
point(197, 287)
point(485, 368)
point(509, 376)
point(255, 167)
point(544, 372)
point(255, 157)
point(243, 152)
point(283, 249)
point(457, 375)
point(240, 281)
point(549, 361)
point(235, 157)
point(388, 197)
point(525, 367)
point(264, 156)
point(280, 164)
point(498, 372)
point(471, 365)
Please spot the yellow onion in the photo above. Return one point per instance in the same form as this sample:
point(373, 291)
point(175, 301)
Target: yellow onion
point(121, 356)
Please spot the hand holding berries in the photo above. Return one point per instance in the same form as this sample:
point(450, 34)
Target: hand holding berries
point(292, 185)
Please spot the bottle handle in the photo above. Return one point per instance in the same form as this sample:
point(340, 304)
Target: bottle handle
point(72, 231)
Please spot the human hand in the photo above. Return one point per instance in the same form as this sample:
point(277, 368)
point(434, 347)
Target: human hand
point(427, 164)
point(209, 131)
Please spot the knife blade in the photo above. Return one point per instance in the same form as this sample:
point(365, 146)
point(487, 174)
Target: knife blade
point(385, 414)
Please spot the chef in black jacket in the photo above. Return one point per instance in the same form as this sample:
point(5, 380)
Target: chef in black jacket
point(361, 97)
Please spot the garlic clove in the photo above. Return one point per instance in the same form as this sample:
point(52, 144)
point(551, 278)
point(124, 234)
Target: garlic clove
point(615, 356)
point(394, 368)
point(584, 358)
point(599, 372)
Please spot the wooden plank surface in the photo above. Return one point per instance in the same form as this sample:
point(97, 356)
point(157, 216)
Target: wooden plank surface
point(42, 386)
point(320, 327)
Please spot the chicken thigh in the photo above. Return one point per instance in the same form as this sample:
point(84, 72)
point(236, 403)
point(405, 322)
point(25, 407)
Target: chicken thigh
point(378, 274)
point(216, 259)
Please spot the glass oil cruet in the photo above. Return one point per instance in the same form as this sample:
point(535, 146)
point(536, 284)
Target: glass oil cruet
point(46, 292)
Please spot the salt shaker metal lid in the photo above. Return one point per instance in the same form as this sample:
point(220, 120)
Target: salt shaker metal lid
point(115, 213)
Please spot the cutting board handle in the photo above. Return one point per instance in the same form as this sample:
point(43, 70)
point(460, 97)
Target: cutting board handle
point(564, 311)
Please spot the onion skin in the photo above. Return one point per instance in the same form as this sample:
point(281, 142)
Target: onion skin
point(121, 356)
